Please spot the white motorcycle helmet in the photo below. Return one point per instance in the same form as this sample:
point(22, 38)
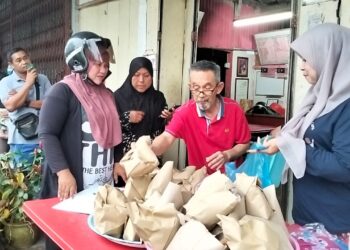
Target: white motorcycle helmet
point(79, 44)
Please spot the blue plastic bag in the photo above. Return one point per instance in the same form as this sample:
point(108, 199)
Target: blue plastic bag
point(268, 168)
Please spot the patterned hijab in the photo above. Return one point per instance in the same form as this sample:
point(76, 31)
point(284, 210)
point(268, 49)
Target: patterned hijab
point(326, 48)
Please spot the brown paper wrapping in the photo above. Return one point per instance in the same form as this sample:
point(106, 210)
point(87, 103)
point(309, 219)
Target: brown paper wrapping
point(161, 179)
point(172, 194)
point(140, 160)
point(185, 174)
point(188, 180)
point(243, 182)
point(196, 178)
point(214, 183)
point(277, 219)
point(110, 211)
point(130, 233)
point(153, 200)
point(136, 188)
point(257, 204)
point(240, 210)
point(194, 236)
point(186, 194)
point(154, 225)
point(250, 233)
point(257, 233)
point(205, 207)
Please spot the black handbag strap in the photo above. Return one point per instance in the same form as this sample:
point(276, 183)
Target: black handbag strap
point(37, 90)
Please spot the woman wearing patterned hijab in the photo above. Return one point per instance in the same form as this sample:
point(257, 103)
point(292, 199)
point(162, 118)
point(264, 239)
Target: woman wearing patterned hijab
point(142, 109)
point(315, 141)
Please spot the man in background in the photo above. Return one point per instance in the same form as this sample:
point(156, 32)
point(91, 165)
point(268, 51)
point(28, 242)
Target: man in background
point(2, 75)
point(22, 92)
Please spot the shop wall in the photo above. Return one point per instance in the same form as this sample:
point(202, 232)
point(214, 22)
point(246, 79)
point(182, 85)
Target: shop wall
point(172, 58)
point(309, 15)
point(131, 25)
point(250, 55)
point(216, 30)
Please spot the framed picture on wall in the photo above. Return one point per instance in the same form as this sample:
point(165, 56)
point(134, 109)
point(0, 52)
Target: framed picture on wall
point(242, 66)
point(241, 88)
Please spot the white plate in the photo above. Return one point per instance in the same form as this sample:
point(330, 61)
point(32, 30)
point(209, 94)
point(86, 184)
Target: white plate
point(137, 244)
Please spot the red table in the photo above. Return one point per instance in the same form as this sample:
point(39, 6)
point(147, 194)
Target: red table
point(68, 230)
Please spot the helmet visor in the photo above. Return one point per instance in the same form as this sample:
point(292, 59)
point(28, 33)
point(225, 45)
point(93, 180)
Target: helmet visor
point(97, 46)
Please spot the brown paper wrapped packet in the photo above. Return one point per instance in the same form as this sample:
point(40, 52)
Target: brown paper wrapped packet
point(144, 151)
point(136, 188)
point(130, 233)
point(186, 194)
point(277, 219)
point(189, 186)
point(185, 174)
point(231, 228)
point(244, 182)
point(153, 200)
point(257, 204)
point(214, 183)
point(154, 225)
point(240, 210)
point(172, 194)
point(250, 233)
point(110, 211)
point(196, 178)
point(276, 224)
point(140, 160)
point(206, 207)
point(194, 236)
point(161, 179)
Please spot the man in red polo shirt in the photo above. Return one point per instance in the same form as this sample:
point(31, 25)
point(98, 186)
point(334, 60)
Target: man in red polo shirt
point(214, 128)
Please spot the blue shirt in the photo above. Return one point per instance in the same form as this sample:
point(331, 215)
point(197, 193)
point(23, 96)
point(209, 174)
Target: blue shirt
point(14, 82)
point(323, 194)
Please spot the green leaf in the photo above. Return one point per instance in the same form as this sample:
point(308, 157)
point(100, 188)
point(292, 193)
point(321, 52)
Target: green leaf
point(25, 196)
point(17, 203)
point(6, 182)
point(6, 193)
point(20, 193)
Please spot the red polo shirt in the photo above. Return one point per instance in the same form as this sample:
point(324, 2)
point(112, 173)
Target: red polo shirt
point(204, 137)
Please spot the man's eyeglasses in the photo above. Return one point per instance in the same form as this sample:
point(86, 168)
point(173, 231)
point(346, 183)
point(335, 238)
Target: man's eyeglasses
point(206, 91)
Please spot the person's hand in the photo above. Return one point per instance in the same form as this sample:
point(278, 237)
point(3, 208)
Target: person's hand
point(167, 114)
point(270, 146)
point(12, 92)
point(136, 116)
point(67, 186)
point(276, 131)
point(217, 160)
point(119, 171)
point(32, 74)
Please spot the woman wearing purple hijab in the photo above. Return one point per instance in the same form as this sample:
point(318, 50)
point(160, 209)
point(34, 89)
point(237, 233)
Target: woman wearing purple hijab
point(315, 141)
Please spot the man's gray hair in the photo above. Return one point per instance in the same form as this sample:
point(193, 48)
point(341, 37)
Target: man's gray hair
point(205, 65)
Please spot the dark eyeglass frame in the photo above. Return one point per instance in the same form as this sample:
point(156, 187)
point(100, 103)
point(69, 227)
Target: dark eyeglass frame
point(206, 92)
